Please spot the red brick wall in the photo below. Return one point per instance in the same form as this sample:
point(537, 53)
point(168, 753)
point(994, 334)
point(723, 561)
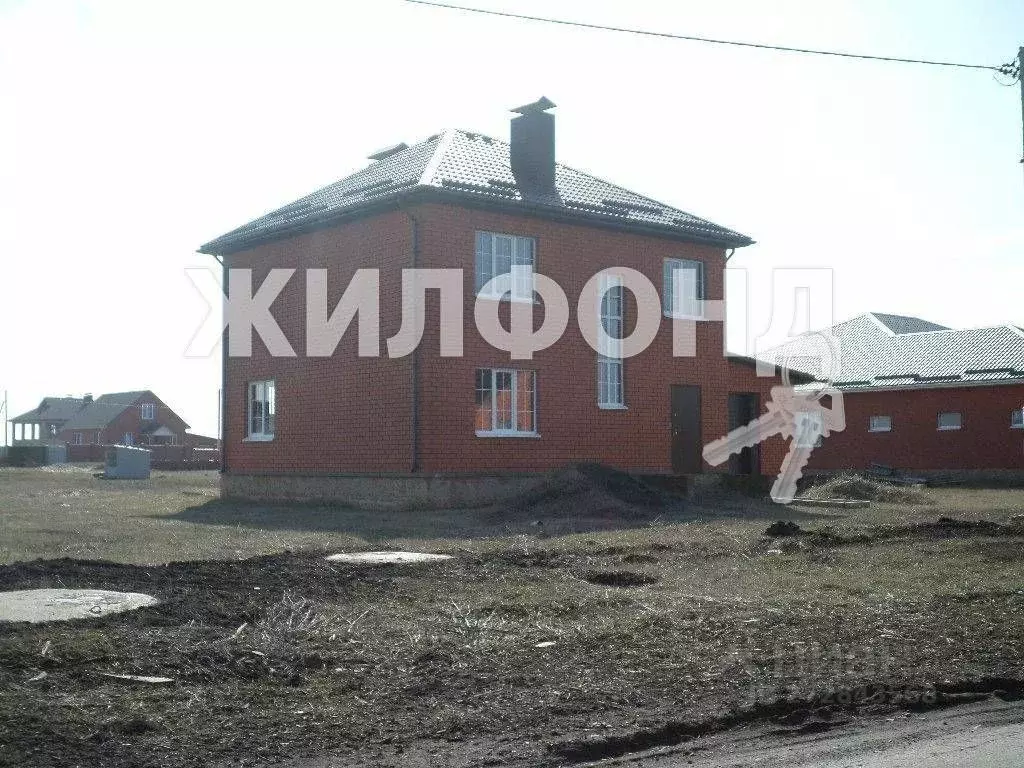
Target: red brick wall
point(347, 414)
point(130, 421)
point(571, 425)
point(986, 440)
point(338, 414)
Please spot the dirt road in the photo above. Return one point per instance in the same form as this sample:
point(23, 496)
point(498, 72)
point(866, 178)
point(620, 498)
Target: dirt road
point(987, 734)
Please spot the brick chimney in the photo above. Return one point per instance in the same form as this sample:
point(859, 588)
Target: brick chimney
point(533, 148)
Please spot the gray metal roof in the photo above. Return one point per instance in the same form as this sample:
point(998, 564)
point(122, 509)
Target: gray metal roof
point(103, 410)
point(51, 409)
point(873, 355)
point(477, 168)
point(904, 324)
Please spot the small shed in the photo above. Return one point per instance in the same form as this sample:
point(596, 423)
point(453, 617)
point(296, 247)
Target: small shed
point(126, 462)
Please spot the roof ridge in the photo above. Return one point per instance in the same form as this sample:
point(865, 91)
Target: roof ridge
point(574, 169)
point(447, 136)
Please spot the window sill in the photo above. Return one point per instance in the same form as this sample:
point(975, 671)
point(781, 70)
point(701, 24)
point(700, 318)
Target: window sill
point(609, 407)
point(949, 429)
point(879, 431)
point(507, 298)
point(505, 433)
point(695, 318)
point(258, 439)
point(1017, 426)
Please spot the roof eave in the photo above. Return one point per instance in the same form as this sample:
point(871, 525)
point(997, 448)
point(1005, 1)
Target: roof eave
point(226, 246)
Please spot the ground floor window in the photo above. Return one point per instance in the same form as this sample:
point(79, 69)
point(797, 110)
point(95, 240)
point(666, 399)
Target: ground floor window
point(950, 420)
point(262, 410)
point(880, 424)
point(1017, 419)
point(506, 402)
point(78, 438)
point(609, 383)
point(128, 439)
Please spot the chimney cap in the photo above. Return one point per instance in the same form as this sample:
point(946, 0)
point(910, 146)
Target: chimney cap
point(541, 105)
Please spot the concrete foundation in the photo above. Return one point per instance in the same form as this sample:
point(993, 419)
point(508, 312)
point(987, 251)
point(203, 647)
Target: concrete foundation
point(383, 492)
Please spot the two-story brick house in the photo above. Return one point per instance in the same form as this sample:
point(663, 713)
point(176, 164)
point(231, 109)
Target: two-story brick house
point(432, 425)
point(124, 418)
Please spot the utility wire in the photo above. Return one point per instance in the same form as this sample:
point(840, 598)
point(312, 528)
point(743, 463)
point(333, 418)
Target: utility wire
point(1011, 68)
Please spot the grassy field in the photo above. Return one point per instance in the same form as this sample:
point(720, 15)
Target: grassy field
point(524, 649)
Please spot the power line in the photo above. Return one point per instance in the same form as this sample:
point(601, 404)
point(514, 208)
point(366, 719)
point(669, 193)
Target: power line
point(1011, 69)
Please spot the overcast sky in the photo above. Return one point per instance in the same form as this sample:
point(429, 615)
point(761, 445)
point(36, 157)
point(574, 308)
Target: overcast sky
point(135, 131)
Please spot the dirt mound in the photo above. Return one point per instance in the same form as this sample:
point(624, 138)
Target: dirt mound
point(590, 491)
point(864, 489)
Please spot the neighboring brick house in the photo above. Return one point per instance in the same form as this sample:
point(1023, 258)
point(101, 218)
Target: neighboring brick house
point(124, 418)
point(923, 397)
point(44, 422)
point(463, 200)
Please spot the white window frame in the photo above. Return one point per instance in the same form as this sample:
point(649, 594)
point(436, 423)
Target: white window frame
point(489, 259)
point(150, 409)
point(950, 427)
point(128, 439)
point(611, 385)
point(1017, 419)
point(514, 431)
point(261, 428)
point(875, 421)
point(672, 304)
point(78, 438)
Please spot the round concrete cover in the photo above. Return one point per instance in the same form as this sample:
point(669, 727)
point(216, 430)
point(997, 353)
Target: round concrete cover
point(386, 558)
point(38, 605)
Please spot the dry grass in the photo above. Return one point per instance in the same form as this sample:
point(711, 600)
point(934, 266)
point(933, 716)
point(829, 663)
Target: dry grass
point(527, 645)
point(850, 486)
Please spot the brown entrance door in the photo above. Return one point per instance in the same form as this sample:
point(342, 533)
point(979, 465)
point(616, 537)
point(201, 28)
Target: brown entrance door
point(744, 408)
point(686, 438)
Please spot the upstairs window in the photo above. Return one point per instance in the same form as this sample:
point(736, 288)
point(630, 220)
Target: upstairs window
point(496, 254)
point(880, 424)
point(1017, 419)
point(506, 402)
point(148, 412)
point(949, 421)
point(684, 289)
point(262, 410)
point(610, 392)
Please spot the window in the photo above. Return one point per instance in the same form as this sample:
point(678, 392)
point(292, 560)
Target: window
point(1017, 419)
point(128, 439)
point(610, 393)
point(148, 412)
point(78, 438)
point(684, 288)
point(950, 421)
point(262, 410)
point(506, 402)
point(496, 255)
point(880, 424)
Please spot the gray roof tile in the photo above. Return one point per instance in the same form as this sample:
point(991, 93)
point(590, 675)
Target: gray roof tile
point(479, 168)
point(873, 354)
point(52, 409)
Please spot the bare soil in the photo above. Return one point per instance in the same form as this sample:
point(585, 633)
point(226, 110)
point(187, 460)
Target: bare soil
point(523, 650)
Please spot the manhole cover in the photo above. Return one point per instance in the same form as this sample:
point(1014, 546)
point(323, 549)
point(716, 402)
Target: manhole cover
point(386, 558)
point(38, 605)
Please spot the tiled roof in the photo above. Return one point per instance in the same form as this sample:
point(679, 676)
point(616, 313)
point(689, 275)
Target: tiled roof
point(103, 410)
point(872, 354)
point(904, 324)
point(51, 409)
point(474, 167)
